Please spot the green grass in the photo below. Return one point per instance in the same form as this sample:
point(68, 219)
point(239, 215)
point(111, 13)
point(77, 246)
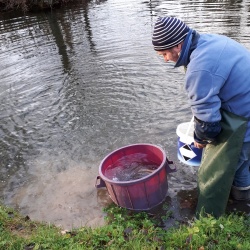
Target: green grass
point(125, 230)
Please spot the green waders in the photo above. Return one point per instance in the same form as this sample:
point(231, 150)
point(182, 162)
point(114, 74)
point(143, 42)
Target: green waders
point(218, 166)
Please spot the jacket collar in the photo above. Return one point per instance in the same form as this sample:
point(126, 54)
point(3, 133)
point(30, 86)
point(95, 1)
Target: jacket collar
point(189, 45)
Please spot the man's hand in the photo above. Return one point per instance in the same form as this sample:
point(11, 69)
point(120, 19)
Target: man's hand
point(199, 145)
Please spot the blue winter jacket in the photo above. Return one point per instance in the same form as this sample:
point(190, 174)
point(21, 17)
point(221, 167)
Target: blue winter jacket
point(217, 76)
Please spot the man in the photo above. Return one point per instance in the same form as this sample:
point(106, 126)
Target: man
point(218, 86)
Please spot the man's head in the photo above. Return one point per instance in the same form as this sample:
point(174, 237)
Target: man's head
point(169, 34)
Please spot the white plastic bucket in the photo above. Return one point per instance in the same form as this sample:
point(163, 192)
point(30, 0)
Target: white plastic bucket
point(187, 153)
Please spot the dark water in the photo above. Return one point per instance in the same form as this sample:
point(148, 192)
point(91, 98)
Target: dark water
point(80, 82)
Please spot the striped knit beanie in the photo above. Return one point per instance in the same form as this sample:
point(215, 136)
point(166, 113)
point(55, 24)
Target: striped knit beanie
point(168, 32)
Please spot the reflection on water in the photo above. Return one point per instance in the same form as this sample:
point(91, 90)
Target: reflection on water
point(80, 82)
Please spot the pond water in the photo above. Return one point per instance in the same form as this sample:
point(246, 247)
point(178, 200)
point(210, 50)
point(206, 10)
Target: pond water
point(79, 82)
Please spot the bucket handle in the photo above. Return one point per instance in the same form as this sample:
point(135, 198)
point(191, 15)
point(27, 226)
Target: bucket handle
point(170, 170)
point(189, 126)
point(101, 182)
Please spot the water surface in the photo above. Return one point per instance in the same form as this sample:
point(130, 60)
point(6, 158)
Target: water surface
point(80, 82)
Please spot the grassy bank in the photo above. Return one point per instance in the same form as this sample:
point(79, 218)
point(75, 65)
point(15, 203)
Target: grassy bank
point(125, 230)
point(29, 5)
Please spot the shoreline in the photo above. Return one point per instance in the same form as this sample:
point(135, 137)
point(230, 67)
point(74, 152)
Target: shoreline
point(31, 5)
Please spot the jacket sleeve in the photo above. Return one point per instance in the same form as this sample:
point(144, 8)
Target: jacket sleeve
point(205, 132)
point(203, 91)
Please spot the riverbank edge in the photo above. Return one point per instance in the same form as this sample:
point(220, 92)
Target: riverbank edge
point(125, 230)
point(32, 5)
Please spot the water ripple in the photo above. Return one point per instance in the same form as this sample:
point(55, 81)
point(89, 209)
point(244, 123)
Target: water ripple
point(77, 83)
